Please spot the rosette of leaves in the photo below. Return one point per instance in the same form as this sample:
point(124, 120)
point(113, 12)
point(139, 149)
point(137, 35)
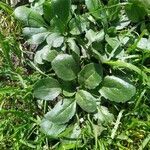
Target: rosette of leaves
point(76, 43)
point(68, 74)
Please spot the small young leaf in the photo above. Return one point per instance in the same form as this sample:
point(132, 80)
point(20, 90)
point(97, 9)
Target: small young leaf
point(86, 101)
point(63, 111)
point(116, 89)
point(91, 75)
point(104, 116)
point(65, 67)
point(47, 89)
point(94, 36)
point(51, 129)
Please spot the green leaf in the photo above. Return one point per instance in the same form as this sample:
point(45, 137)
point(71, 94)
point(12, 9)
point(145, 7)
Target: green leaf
point(130, 67)
point(49, 55)
point(63, 111)
point(94, 7)
point(29, 31)
point(58, 11)
point(55, 40)
point(86, 101)
point(94, 36)
point(29, 17)
point(73, 46)
point(65, 67)
point(116, 89)
point(135, 11)
point(144, 44)
point(51, 129)
point(48, 11)
point(38, 57)
point(91, 75)
point(45, 54)
point(104, 116)
point(47, 89)
point(78, 25)
point(69, 88)
point(71, 140)
point(123, 23)
point(38, 38)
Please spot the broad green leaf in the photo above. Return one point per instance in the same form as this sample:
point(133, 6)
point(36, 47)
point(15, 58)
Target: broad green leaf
point(91, 75)
point(86, 101)
point(65, 67)
point(47, 89)
point(63, 111)
point(51, 129)
point(94, 7)
point(39, 38)
point(144, 3)
point(29, 17)
point(135, 11)
point(29, 31)
point(61, 9)
point(55, 40)
point(58, 11)
point(116, 89)
point(48, 11)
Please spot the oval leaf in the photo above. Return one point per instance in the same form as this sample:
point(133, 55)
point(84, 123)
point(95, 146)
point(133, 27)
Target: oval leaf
point(65, 67)
point(30, 31)
point(29, 17)
point(55, 40)
point(91, 75)
point(51, 129)
point(116, 89)
point(86, 101)
point(61, 11)
point(63, 111)
point(47, 89)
